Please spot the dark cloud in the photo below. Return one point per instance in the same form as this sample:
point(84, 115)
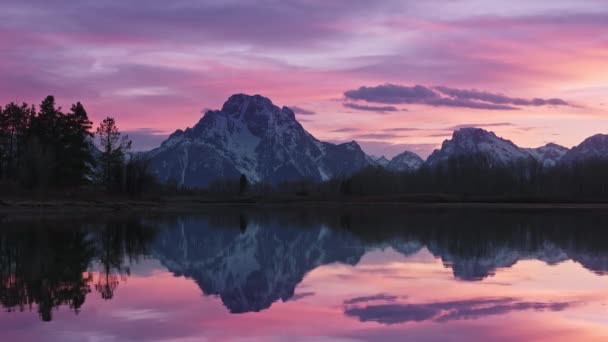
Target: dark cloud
point(345, 130)
point(394, 313)
point(444, 97)
point(365, 299)
point(301, 295)
point(302, 111)
point(391, 93)
point(497, 98)
point(379, 109)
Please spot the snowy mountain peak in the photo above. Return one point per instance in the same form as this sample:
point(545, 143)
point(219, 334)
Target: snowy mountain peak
point(381, 161)
point(594, 147)
point(251, 136)
point(406, 161)
point(477, 141)
point(548, 155)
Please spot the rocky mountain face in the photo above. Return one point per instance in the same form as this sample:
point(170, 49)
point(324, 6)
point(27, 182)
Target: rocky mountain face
point(406, 161)
point(251, 136)
point(476, 141)
point(502, 152)
point(549, 155)
point(380, 161)
point(594, 147)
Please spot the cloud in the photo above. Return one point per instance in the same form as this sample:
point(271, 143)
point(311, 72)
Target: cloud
point(146, 138)
point(480, 125)
point(497, 98)
point(393, 94)
point(394, 313)
point(364, 299)
point(302, 111)
point(377, 136)
point(402, 129)
point(441, 96)
point(301, 295)
point(346, 130)
point(379, 109)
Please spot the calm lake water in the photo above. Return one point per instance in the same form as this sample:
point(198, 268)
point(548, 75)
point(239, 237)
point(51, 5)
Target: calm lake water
point(300, 274)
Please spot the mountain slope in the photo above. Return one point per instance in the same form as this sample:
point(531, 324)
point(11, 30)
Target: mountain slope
point(594, 147)
point(548, 155)
point(406, 161)
point(251, 136)
point(476, 141)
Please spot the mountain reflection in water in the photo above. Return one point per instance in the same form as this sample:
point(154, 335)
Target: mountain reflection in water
point(251, 258)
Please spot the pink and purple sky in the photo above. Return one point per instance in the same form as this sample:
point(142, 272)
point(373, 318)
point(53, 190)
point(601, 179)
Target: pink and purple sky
point(392, 75)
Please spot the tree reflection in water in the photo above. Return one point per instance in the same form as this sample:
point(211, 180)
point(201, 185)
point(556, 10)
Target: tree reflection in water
point(46, 266)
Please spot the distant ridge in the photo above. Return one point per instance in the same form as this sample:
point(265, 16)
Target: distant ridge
point(253, 137)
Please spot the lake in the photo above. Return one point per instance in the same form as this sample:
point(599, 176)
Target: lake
point(333, 273)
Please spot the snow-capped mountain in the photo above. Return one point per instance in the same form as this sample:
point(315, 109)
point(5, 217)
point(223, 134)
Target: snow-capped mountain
point(380, 161)
point(251, 136)
point(476, 141)
point(406, 161)
point(594, 147)
point(252, 268)
point(548, 155)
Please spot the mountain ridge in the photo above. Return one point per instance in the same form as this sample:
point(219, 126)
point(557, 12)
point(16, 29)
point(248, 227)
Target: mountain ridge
point(251, 136)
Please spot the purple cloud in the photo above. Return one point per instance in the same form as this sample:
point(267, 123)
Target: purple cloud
point(346, 130)
point(497, 98)
point(302, 111)
point(444, 97)
point(378, 109)
point(394, 313)
point(393, 94)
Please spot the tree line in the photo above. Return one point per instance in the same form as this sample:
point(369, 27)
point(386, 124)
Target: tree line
point(468, 177)
point(47, 147)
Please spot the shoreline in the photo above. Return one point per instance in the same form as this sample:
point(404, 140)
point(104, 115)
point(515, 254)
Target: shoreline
point(8, 206)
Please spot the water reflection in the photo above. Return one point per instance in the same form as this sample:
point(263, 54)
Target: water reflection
point(251, 258)
point(44, 267)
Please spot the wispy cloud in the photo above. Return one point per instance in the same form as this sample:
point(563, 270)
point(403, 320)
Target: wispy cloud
point(302, 111)
point(378, 109)
point(444, 97)
point(394, 313)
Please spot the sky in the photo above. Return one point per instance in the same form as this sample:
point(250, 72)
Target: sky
point(392, 75)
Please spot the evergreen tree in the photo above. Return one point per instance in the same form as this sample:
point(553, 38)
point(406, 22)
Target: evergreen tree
point(114, 146)
point(76, 146)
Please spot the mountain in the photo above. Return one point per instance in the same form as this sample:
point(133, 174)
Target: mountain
point(594, 147)
point(476, 141)
point(252, 267)
point(406, 161)
point(251, 136)
point(380, 161)
point(548, 155)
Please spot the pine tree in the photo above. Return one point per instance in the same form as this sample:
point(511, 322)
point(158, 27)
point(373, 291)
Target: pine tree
point(114, 146)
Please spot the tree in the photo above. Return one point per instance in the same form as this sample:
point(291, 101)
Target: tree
point(76, 158)
point(243, 185)
point(14, 124)
point(114, 146)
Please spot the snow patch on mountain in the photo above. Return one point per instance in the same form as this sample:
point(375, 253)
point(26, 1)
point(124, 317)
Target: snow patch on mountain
point(406, 161)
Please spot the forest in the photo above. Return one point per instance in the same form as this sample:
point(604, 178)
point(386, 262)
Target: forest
point(46, 148)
